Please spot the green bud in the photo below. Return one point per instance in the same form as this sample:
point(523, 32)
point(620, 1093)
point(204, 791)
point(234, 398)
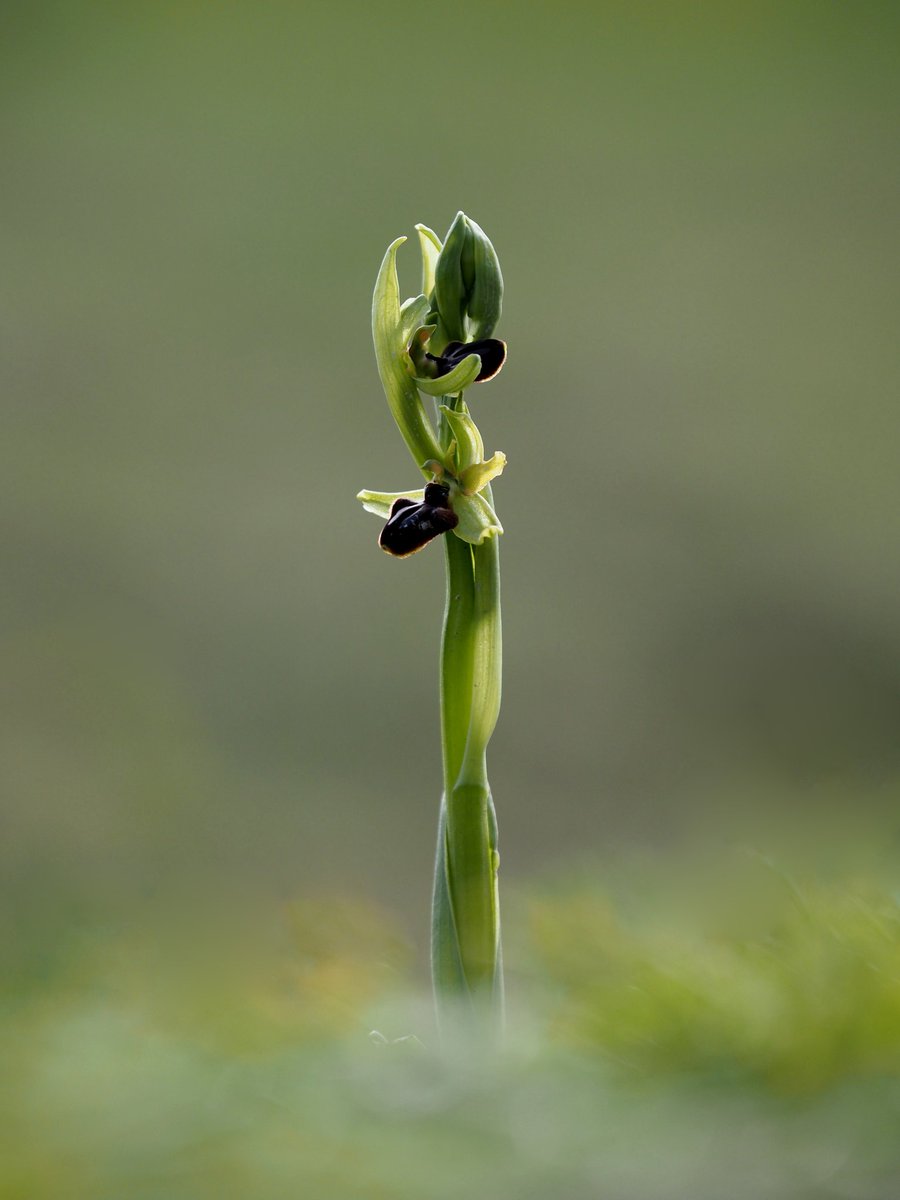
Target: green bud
point(486, 296)
point(449, 295)
point(468, 286)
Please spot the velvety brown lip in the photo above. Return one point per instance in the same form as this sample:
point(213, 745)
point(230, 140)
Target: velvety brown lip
point(413, 524)
point(491, 351)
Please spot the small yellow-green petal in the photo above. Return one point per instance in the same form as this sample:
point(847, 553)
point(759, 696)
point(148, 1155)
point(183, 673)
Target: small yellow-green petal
point(472, 479)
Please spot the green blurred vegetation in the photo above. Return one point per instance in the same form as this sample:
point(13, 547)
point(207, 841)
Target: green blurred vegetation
point(742, 1039)
point(803, 993)
point(218, 696)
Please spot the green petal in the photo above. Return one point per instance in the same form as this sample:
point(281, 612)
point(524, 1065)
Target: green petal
point(454, 381)
point(430, 245)
point(412, 316)
point(381, 503)
point(390, 348)
point(470, 446)
point(472, 479)
point(477, 520)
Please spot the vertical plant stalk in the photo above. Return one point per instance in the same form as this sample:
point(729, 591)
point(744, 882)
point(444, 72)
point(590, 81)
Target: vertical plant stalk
point(439, 343)
point(466, 952)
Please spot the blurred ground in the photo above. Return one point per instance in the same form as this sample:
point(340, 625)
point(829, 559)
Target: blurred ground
point(655, 1048)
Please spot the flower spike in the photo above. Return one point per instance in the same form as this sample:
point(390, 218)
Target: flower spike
point(440, 343)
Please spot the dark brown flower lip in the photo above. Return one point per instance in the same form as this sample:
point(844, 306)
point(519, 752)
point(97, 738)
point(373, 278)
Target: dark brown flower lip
point(413, 524)
point(491, 351)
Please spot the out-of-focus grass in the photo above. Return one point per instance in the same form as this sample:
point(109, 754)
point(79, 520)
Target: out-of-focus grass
point(796, 995)
point(728, 1033)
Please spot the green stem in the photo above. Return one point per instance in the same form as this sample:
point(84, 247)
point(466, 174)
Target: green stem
point(486, 658)
point(465, 922)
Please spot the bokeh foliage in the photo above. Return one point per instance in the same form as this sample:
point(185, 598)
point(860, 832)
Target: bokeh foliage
point(752, 1050)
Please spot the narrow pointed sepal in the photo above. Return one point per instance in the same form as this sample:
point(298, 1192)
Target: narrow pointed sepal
point(430, 246)
point(381, 503)
point(390, 351)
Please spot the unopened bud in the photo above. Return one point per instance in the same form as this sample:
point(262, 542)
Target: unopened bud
point(468, 285)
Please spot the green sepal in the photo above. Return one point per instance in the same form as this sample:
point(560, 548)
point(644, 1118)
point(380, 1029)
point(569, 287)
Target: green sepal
point(412, 316)
point(430, 246)
point(381, 503)
point(477, 519)
point(390, 349)
point(472, 479)
point(470, 447)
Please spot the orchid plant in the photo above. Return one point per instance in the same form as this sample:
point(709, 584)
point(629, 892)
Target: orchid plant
point(438, 344)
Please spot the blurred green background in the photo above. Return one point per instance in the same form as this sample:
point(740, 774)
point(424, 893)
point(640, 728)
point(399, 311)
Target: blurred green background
point(218, 695)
